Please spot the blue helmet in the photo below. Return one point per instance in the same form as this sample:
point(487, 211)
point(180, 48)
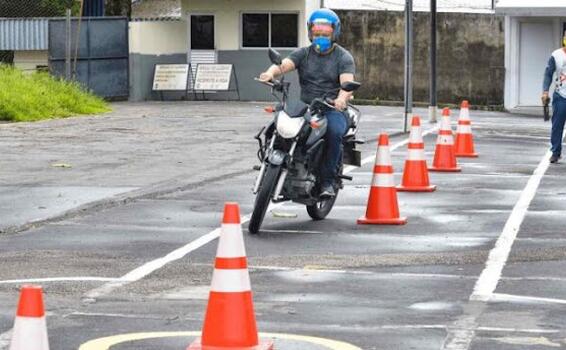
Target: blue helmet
point(325, 16)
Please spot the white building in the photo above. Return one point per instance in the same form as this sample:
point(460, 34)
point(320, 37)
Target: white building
point(533, 29)
point(238, 32)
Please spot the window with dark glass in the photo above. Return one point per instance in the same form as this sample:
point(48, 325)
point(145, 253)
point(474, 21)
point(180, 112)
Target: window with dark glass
point(270, 30)
point(202, 32)
point(284, 30)
point(255, 28)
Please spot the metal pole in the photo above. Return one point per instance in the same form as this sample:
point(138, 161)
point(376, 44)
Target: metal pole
point(433, 108)
point(77, 41)
point(68, 46)
point(408, 61)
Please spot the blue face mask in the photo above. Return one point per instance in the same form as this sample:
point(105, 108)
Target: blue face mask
point(322, 43)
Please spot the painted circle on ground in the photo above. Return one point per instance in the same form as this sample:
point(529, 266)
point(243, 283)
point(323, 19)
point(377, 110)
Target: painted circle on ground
point(107, 342)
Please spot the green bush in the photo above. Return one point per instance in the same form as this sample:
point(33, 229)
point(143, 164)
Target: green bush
point(37, 96)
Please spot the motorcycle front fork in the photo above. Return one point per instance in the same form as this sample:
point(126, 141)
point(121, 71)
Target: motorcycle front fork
point(282, 177)
point(263, 166)
point(284, 173)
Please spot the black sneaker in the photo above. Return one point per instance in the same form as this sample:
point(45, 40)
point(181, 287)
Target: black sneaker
point(554, 158)
point(327, 192)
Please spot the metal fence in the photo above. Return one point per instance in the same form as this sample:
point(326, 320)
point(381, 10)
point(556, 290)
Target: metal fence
point(99, 53)
point(16, 31)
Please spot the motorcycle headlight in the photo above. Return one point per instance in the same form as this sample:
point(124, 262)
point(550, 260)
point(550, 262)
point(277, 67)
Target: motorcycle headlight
point(288, 127)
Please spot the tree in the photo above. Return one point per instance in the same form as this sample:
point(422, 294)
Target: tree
point(37, 8)
point(118, 8)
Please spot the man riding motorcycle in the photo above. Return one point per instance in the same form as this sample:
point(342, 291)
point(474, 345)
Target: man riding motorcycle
point(323, 66)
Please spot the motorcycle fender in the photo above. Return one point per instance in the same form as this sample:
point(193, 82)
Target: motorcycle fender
point(277, 157)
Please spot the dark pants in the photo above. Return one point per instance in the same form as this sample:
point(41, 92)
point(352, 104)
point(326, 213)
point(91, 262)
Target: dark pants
point(337, 127)
point(558, 119)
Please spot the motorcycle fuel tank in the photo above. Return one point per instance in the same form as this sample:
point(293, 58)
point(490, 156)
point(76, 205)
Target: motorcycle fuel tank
point(318, 133)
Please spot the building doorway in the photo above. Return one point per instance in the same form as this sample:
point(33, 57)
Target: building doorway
point(537, 42)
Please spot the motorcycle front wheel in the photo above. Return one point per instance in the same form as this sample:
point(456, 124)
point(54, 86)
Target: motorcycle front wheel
point(264, 197)
point(321, 209)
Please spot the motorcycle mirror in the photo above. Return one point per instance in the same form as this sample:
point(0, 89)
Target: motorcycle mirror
point(275, 57)
point(350, 86)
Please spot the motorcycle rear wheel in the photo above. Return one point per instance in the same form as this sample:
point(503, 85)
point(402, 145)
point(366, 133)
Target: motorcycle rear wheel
point(263, 197)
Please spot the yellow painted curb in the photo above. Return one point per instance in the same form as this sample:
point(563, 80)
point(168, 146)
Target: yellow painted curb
point(107, 342)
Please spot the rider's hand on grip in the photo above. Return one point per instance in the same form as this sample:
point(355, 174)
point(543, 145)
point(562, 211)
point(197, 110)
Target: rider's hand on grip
point(265, 77)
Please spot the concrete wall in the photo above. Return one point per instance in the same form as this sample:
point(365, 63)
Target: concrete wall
point(470, 55)
point(228, 13)
point(29, 60)
point(249, 64)
point(151, 43)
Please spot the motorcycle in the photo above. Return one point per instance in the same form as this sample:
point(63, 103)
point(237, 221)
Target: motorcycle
point(291, 150)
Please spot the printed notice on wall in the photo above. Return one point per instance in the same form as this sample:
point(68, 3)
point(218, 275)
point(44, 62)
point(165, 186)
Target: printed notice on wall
point(170, 77)
point(213, 77)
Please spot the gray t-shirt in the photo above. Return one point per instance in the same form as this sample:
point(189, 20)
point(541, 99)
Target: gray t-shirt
point(318, 73)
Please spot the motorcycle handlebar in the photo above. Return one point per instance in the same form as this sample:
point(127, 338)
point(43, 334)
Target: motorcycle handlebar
point(271, 83)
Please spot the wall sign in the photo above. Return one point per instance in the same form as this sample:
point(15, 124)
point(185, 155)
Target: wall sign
point(214, 77)
point(170, 77)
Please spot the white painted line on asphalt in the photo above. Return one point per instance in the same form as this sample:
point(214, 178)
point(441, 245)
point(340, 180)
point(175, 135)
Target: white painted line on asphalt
point(60, 279)
point(521, 299)
point(149, 267)
point(153, 265)
point(291, 231)
point(489, 278)
point(460, 337)
point(518, 330)
point(115, 315)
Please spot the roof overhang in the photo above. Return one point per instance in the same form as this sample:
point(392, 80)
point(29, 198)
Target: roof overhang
point(531, 8)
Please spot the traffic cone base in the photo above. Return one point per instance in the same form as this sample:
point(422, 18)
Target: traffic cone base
point(445, 170)
point(263, 345)
point(396, 221)
point(430, 188)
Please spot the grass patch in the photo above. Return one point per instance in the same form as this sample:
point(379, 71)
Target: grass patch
point(38, 96)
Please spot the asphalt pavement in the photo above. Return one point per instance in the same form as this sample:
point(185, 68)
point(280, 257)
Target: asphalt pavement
point(116, 217)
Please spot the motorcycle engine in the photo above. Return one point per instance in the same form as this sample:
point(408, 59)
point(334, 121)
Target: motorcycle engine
point(301, 182)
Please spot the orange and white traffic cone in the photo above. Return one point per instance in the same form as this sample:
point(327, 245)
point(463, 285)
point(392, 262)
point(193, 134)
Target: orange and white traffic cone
point(30, 328)
point(464, 139)
point(415, 174)
point(444, 155)
point(230, 322)
point(382, 207)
